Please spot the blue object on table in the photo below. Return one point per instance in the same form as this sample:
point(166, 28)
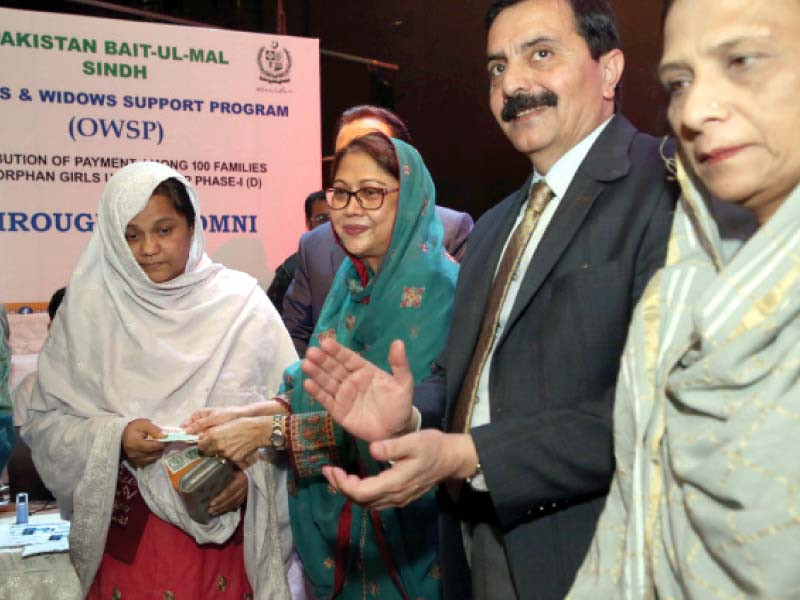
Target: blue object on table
point(22, 508)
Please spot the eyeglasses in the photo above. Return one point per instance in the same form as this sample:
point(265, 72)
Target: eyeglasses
point(368, 198)
point(321, 218)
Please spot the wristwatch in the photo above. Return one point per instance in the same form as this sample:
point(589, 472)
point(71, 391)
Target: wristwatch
point(278, 436)
point(478, 473)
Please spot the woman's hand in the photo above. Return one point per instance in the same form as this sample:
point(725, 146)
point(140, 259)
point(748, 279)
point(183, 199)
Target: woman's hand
point(136, 447)
point(236, 440)
point(269, 408)
point(232, 497)
point(209, 417)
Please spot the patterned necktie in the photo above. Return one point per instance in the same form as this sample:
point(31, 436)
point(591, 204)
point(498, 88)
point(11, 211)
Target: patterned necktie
point(540, 196)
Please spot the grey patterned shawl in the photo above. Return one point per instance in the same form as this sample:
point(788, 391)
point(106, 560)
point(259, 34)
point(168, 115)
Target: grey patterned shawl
point(705, 501)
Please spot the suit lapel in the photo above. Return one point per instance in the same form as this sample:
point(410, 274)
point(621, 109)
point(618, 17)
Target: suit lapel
point(606, 161)
point(336, 255)
point(336, 258)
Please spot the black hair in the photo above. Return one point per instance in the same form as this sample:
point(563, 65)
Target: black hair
point(55, 302)
point(173, 189)
point(384, 115)
point(312, 198)
point(376, 145)
point(665, 6)
point(595, 21)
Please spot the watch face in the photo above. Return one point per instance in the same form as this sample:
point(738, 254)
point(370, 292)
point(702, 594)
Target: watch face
point(277, 439)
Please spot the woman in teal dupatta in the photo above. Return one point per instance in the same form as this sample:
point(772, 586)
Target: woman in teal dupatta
point(406, 294)
point(346, 550)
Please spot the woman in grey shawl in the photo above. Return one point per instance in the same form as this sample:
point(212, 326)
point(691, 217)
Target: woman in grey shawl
point(150, 331)
point(704, 502)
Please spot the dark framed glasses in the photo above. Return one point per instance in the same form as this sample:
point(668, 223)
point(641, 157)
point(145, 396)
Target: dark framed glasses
point(368, 198)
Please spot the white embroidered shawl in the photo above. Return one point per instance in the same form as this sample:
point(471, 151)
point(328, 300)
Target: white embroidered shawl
point(705, 501)
point(123, 347)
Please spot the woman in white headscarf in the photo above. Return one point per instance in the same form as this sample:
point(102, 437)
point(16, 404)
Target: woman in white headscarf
point(150, 331)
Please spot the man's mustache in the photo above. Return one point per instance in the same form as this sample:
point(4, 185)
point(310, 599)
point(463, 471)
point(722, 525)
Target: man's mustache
point(522, 102)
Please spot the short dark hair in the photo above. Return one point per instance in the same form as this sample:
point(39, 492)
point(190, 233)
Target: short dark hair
point(313, 197)
point(376, 145)
point(594, 18)
point(55, 302)
point(367, 111)
point(665, 6)
point(173, 189)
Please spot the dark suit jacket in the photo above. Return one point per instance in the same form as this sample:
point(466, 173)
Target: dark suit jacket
point(547, 453)
point(320, 257)
point(281, 281)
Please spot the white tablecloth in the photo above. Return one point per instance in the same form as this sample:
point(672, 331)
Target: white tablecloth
point(44, 577)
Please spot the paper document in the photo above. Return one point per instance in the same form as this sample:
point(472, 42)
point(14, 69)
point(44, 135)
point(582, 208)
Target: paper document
point(176, 434)
point(55, 543)
point(27, 534)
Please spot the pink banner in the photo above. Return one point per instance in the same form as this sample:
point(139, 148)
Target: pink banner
point(237, 113)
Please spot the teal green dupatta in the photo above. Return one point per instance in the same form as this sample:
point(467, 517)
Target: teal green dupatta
point(348, 552)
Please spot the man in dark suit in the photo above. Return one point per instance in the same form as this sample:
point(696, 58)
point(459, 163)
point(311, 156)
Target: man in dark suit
point(317, 214)
point(319, 256)
point(539, 322)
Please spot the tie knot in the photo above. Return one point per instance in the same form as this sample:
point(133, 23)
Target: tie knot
point(541, 194)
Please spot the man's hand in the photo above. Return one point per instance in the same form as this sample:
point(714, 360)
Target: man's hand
point(232, 497)
point(235, 440)
point(136, 447)
point(367, 401)
point(422, 460)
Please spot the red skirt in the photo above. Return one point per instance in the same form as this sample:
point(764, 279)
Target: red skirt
point(147, 558)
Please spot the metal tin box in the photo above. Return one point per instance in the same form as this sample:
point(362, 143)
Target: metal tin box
point(199, 480)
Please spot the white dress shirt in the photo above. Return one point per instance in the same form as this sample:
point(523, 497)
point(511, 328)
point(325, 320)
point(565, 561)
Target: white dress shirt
point(558, 179)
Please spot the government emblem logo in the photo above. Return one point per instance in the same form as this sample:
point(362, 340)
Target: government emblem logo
point(275, 63)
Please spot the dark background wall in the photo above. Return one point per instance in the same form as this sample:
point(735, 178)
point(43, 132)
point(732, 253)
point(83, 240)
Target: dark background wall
point(441, 88)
